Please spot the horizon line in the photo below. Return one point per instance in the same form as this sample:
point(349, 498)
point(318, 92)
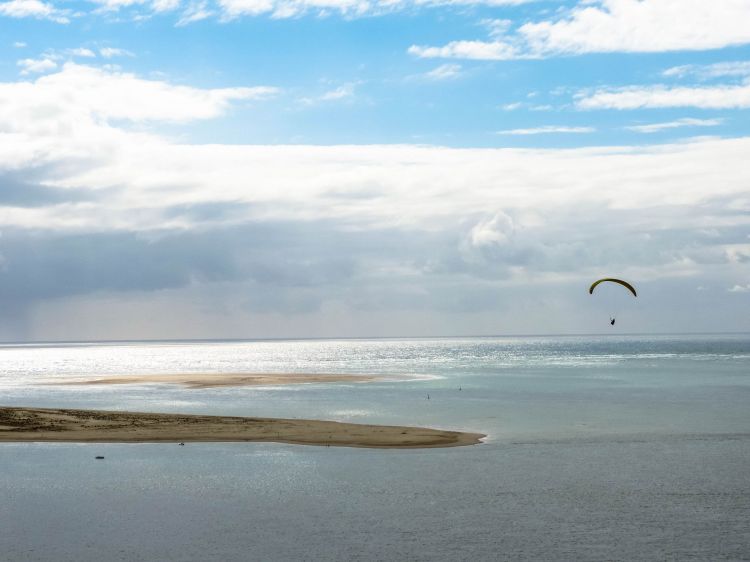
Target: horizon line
point(355, 338)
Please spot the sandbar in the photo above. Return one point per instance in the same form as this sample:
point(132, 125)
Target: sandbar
point(209, 380)
point(97, 426)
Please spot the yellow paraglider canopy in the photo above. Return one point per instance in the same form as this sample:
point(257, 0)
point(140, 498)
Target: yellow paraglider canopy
point(625, 284)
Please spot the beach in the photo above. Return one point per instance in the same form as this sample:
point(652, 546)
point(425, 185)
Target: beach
point(96, 426)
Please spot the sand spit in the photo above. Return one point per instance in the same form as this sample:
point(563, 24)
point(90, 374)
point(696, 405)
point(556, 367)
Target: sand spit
point(96, 426)
point(209, 380)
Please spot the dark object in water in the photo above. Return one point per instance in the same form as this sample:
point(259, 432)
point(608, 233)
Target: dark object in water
point(612, 321)
point(182, 444)
point(99, 458)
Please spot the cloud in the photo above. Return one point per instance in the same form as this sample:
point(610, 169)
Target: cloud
point(708, 71)
point(140, 9)
point(34, 66)
point(231, 9)
point(343, 92)
point(444, 72)
point(642, 26)
point(493, 3)
point(161, 6)
point(110, 52)
point(18, 191)
point(196, 11)
point(606, 26)
point(33, 9)
point(71, 124)
point(51, 58)
point(496, 231)
point(547, 130)
point(740, 289)
point(95, 212)
point(114, 5)
point(659, 96)
point(227, 10)
point(497, 27)
point(477, 50)
point(285, 9)
point(112, 261)
point(92, 93)
point(679, 123)
point(81, 52)
point(19, 45)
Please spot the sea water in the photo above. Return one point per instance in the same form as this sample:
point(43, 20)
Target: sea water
point(597, 448)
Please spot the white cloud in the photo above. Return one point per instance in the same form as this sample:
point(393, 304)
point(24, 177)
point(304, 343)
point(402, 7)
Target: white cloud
point(410, 185)
point(285, 9)
point(64, 123)
point(678, 123)
point(738, 253)
point(231, 9)
point(19, 45)
point(444, 72)
point(161, 6)
point(740, 289)
point(461, 2)
point(51, 58)
point(659, 96)
point(114, 5)
point(546, 130)
point(33, 9)
point(601, 26)
point(343, 92)
point(497, 27)
point(110, 52)
point(707, 71)
point(642, 26)
point(495, 231)
point(477, 50)
point(81, 52)
point(512, 106)
point(196, 11)
point(32, 66)
point(92, 93)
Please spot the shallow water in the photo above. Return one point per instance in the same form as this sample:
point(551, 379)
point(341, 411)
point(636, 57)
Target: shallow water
point(613, 448)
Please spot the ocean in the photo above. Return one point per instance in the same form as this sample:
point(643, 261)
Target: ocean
point(598, 448)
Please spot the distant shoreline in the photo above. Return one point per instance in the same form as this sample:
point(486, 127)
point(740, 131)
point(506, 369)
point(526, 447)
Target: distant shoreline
point(24, 424)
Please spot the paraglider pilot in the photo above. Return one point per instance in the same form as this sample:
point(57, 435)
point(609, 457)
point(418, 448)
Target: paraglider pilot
point(625, 284)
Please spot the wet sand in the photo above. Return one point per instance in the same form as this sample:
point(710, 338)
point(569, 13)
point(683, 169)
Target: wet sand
point(96, 426)
point(209, 380)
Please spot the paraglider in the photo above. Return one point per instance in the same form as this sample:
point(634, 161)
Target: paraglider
point(625, 284)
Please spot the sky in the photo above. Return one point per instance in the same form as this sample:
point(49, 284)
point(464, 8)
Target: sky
point(354, 168)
